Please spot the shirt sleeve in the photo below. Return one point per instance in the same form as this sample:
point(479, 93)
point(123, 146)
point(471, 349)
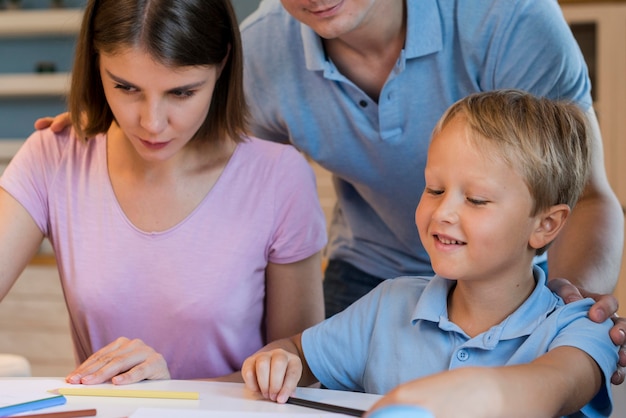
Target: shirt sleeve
point(300, 229)
point(577, 330)
point(337, 349)
point(529, 46)
point(31, 171)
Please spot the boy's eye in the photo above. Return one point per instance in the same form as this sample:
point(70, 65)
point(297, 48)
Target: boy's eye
point(434, 192)
point(476, 202)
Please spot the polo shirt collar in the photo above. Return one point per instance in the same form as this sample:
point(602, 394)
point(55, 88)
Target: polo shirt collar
point(424, 35)
point(432, 306)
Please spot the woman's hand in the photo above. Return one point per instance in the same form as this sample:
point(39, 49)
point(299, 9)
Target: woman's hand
point(123, 361)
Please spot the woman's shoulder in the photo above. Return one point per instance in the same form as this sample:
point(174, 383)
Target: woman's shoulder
point(50, 142)
point(263, 148)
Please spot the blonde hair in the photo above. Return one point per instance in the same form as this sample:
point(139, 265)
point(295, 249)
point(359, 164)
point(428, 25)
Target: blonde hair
point(545, 140)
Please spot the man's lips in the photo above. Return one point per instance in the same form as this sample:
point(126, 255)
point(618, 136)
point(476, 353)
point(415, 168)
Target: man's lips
point(326, 12)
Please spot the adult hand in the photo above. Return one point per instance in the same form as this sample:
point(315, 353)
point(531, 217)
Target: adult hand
point(274, 373)
point(605, 307)
point(123, 361)
point(56, 124)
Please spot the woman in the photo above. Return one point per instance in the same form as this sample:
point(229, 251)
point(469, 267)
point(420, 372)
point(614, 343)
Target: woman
point(183, 246)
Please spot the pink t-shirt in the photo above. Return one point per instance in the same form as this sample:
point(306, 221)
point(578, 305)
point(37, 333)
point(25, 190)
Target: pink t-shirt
point(195, 292)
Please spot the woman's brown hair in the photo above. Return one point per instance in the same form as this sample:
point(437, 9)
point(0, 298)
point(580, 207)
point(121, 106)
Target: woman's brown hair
point(176, 33)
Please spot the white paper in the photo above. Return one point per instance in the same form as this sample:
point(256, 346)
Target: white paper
point(19, 391)
point(192, 413)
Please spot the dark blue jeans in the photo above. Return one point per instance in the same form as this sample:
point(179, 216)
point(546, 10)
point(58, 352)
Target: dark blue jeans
point(344, 284)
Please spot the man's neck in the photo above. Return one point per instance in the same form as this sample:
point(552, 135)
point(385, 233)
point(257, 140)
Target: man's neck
point(367, 55)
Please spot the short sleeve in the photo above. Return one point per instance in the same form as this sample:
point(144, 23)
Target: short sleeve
point(31, 172)
point(300, 225)
point(577, 330)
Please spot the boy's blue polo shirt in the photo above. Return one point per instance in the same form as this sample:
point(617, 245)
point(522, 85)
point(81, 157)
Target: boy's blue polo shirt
point(400, 331)
point(377, 148)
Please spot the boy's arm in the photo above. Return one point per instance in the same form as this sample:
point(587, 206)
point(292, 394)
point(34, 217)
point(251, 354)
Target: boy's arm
point(558, 383)
point(277, 369)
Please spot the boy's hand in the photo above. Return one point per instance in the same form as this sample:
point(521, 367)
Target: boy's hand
point(275, 374)
point(56, 124)
point(605, 307)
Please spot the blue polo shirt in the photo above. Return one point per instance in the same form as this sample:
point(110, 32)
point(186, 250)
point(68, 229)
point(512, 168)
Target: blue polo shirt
point(377, 149)
point(400, 331)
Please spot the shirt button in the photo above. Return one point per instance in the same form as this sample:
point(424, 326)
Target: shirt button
point(462, 355)
point(363, 103)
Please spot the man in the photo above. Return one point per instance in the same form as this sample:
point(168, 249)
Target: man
point(357, 85)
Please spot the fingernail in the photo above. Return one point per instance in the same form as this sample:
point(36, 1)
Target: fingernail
point(86, 379)
point(74, 378)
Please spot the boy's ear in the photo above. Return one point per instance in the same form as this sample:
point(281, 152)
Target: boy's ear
point(549, 224)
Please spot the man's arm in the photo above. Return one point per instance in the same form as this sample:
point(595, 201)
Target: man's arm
point(588, 251)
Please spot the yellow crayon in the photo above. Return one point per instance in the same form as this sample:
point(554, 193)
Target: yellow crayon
point(127, 393)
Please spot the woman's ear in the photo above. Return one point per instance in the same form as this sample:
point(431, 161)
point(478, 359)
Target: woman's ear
point(549, 224)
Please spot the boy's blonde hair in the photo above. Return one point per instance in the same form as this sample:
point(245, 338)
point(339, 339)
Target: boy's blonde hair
point(544, 140)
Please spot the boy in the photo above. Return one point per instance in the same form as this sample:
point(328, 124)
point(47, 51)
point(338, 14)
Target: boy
point(504, 171)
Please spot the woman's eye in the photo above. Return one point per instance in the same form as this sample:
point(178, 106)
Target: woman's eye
point(183, 94)
point(124, 87)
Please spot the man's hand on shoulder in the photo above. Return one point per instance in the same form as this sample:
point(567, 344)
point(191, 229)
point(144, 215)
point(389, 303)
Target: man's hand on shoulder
point(57, 123)
point(605, 307)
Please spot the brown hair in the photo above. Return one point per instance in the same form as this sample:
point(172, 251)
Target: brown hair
point(545, 140)
point(176, 33)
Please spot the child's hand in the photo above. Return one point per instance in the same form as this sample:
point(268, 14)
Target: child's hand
point(275, 374)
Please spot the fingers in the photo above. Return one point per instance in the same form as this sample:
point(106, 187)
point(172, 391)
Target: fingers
point(618, 336)
point(43, 123)
point(275, 374)
point(56, 124)
point(567, 291)
point(618, 376)
point(123, 361)
point(605, 307)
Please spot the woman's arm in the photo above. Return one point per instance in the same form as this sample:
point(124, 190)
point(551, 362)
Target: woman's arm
point(20, 239)
point(558, 383)
point(294, 298)
point(294, 302)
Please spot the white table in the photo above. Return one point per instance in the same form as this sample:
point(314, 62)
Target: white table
point(214, 396)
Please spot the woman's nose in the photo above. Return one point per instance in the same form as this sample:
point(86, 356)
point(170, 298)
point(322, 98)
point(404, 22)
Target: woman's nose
point(153, 117)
